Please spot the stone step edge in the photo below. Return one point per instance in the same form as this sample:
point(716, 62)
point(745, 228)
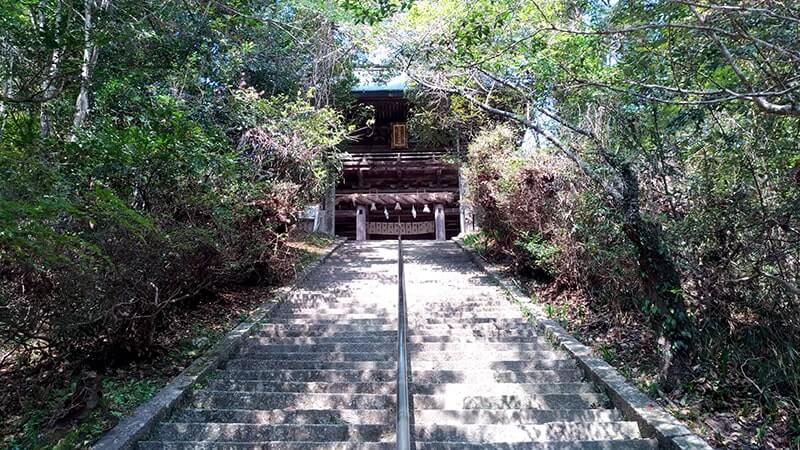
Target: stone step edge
point(427, 417)
point(654, 420)
point(139, 424)
point(275, 374)
point(322, 387)
point(619, 430)
point(245, 445)
point(423, 445)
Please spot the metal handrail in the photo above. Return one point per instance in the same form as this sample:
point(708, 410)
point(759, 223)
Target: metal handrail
point(403, 423)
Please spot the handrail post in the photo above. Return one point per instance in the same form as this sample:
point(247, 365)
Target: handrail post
point(403, 423)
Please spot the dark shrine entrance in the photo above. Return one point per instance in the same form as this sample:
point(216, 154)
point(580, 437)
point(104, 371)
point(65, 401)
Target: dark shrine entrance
point(391, 186)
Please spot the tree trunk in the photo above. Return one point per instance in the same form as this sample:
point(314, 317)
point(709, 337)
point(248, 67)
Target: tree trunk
point(82, 102)
point(319, 83)
point(50, 86)
point(50, 89)
point(3, 107)
point(662, 285)
point(324, 60)
point(90, 54)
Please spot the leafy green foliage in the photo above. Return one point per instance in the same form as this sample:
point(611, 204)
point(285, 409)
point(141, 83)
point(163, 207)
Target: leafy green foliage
point(373, 11)
point(200, 148)
point(542, 252)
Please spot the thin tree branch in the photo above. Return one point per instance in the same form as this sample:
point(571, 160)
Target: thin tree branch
point(569, 150)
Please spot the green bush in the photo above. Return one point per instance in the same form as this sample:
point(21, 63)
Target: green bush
point(100, 236)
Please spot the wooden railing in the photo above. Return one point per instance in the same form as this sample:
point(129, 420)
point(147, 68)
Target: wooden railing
point(394, 157)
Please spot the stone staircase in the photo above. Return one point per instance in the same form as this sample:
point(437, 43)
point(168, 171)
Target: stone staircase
point(322, 372)
point(481, 376)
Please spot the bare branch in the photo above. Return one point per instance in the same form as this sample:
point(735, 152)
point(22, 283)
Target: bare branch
point(745, 9)
point(571, 151)
point(760, 101)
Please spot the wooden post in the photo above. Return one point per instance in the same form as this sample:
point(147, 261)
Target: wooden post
point(439, 218)
point(463, 221)
point(361, 223)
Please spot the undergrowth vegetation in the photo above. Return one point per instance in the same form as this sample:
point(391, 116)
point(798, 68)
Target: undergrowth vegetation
point(539, 217)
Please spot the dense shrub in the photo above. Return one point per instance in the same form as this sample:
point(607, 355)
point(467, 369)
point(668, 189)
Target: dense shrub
point(732, 230)
point(536, 211)
point(101, 236)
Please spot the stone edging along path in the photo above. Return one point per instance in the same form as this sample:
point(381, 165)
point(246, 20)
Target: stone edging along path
point(654, 421)
point(132, 429)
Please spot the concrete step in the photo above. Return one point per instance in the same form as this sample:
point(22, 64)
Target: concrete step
point(311, 329)
point(459, 338)
point(387, 346)
point(458, 313)
point(389, 375)
point(499, 376)
point(242, 432)
point(279, 445)
point(548, 432)
point(389, 338)
point(392, 338)
point(280, 416)
point(475, 330)
point(620, 444)
point(463, 390)
point(369, 311)
point(261, 345)
point(277, 331)
point(311, 386)
point(391, 318)
point(468, 319)
point(310, 315)
point(209, 399)
point(446, 334)
point(500, 389)
point(386, 416)
point(530, 345)
point(464, 324)
point(319, 375)
point(485, 356)
point(512, 416)
point(345, 322)
point(267, 364)
point(456, 300)
point(472, 331)
point(479, 364)
point(271, 329)
point(256, 355)
point(627, 444)
point(523, 401)
point(485, 297)
point(484, 315)
point(465, 303)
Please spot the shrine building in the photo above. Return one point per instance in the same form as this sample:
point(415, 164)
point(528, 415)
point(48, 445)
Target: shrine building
point(391, 185)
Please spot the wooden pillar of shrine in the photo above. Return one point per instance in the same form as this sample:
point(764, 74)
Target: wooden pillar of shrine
point(361, 223)
point(439, 219)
